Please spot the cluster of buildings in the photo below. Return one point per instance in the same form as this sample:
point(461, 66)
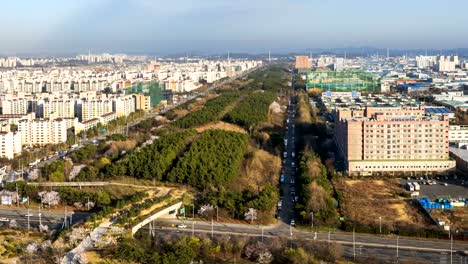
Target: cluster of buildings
point(39, 104)
point(43, 119)
point(438, 63)
point(188, 76)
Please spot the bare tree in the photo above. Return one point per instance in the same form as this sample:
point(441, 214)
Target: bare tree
point(251, 215)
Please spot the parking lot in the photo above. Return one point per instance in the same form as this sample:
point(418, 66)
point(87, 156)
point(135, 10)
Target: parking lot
point(441, 187)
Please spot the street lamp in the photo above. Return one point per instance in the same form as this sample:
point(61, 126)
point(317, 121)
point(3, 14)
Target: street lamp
point(380, 224)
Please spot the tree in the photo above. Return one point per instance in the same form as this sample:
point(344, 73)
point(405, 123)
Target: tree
point(251, 215)
point(49, 198)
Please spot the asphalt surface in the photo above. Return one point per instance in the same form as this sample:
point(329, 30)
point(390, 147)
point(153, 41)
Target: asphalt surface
point(288, 178)
point(456, 188)
point(364, 246)
point(53, 220)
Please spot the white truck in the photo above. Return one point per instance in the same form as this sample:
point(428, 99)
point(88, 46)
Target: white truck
point(416, 186)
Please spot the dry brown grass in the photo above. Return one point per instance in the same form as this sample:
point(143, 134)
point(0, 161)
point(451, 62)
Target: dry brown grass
point(223, 126)
point(456, 218)
point(115, 147)
point(366, 200)
point(258, 170)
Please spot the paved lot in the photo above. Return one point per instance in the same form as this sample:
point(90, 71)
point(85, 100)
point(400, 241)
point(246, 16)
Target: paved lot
point(455, 188)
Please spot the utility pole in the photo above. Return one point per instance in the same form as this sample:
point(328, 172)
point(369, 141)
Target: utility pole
point(17, 194)
point(451, 248)
point(28, 220)
point(397, 242)
point(217, 215)
point(40, 216)
point(329, 236)
point(87, 205)
point(193, 228)
point(212, 230)
point(262, 233)
point(354, 246)
point(380, 224)
point(193, 212)
point(312, 220)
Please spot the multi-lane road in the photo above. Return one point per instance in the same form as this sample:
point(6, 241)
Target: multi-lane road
point(355, 245)
point(52, 219)
point(288, 197)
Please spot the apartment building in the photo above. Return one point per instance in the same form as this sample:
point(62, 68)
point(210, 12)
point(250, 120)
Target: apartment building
point(142, 102)
point(303, 62)
point(10, 142)
point(123, 105)
point(16, 106)
point(62, 108)
point(380, 140)
point(87, 109)
point(42, 131)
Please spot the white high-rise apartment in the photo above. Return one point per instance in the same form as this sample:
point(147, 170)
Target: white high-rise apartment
point(424, 62)
point(124, 105)
point(42, 131)
point(446, 63)
point(61, 108)
point(93, 108)
point(17, 106)
point(10, 142)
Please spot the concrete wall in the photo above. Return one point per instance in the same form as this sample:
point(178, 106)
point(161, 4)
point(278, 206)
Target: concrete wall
point(161, 214)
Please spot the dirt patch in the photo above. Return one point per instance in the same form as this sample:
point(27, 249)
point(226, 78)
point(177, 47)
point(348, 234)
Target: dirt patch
point(223, 126)
point(366, 201)
point(456, 218)
point(352, 182)
point(401, 214)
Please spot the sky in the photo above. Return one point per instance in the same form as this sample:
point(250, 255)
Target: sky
point(218, 26)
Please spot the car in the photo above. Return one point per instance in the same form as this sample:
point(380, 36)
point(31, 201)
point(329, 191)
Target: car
point(292, 181)
point(181, 226)
point(280, 203)
point(293, 193)
point(293, 223)
point(4, 219)
point(30, 214)
point(445, 184)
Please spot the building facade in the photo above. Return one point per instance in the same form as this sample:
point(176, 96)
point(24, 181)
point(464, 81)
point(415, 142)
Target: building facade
point(303, 62)
point(393, 140)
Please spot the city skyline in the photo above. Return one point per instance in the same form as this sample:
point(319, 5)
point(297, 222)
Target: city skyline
point(142, 26)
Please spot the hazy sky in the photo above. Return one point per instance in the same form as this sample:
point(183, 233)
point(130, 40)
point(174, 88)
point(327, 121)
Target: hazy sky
point(65, 26)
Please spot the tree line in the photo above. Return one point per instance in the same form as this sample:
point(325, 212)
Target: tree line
point(213, 160)
point(152, 161)
point(252, 110)
point(211, 111)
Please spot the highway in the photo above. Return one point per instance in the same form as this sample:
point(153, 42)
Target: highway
point(288, 172)
point(365, 245)
point(52, 219)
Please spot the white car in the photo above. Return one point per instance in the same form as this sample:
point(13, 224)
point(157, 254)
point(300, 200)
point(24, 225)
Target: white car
point(4, 219)
point(26, 215)
point(182, 226)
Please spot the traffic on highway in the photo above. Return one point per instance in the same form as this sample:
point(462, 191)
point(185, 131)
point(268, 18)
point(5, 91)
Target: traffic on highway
point(288, 193)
